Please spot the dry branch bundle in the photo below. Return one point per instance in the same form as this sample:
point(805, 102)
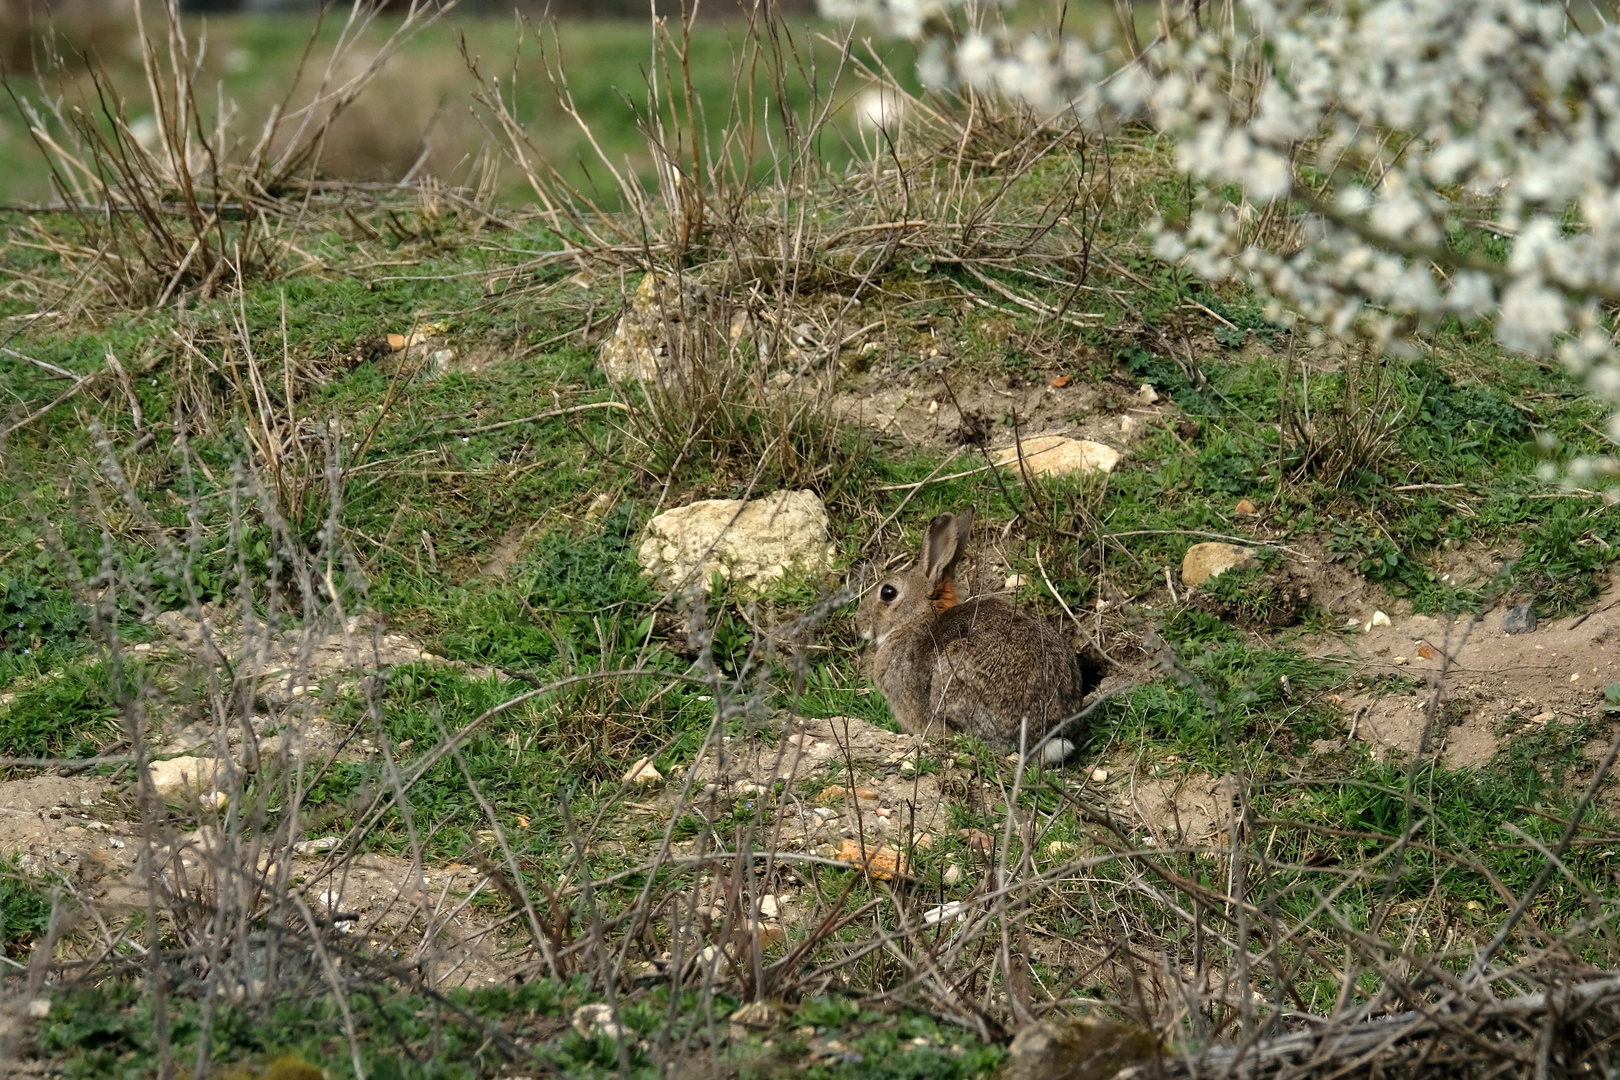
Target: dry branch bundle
point(193, 201)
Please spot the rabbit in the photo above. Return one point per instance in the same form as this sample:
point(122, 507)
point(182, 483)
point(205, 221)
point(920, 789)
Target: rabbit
point(980, 666)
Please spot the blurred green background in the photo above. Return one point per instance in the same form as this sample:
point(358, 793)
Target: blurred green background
point(420, 111)
point(420, 114)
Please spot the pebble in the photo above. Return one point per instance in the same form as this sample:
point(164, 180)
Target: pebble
point(641, 771)
point(593, 1020)
point(1519, 620)
point(316, 846)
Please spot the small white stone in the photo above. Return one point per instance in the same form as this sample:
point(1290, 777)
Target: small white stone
point(642, 772)
point(952, 875)
point(1207, 560)
point(1380, 619)
point(768, 907)
point(1054, 455)
point(175, 779)
point(1099, 775)
point(1015, 581)
point(1146, 395)
point(316, 846)
point(593, 1020)
point(39, 1009)
point(944, 913)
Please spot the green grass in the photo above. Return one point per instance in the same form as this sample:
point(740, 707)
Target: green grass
point(25, 910)
point(65, 713)
point(425, 92)
point(108, 1033)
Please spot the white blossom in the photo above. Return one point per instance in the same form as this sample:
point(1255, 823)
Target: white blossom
point(1531, 315)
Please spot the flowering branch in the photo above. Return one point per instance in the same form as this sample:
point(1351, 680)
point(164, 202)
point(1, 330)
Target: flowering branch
point(1401, 130)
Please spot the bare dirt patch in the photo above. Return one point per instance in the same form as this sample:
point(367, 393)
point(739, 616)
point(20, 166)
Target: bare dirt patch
point(65, 830)
point(54, 827)
point(846, 779)
point(850, 780)
point(507, 551)
point(1498, 685)
point(924, 412)
point(82, 832)
point(1178, 810)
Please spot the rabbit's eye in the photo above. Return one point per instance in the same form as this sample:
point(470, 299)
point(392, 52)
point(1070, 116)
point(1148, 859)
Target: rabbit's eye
point(888, 593)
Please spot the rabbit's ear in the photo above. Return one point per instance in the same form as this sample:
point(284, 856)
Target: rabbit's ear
point(943, 545)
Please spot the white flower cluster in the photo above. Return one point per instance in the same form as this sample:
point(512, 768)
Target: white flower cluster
point(898, 18)
point(1407, 130)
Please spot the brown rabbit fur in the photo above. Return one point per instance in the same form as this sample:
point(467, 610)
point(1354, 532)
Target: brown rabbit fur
point(981, 666)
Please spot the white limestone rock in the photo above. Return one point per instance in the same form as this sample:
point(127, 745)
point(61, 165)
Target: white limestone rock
point(751, 543)
point(1054, 455)
point(1204, 561)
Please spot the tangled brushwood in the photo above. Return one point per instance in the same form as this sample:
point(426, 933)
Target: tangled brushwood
point(182, 199)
